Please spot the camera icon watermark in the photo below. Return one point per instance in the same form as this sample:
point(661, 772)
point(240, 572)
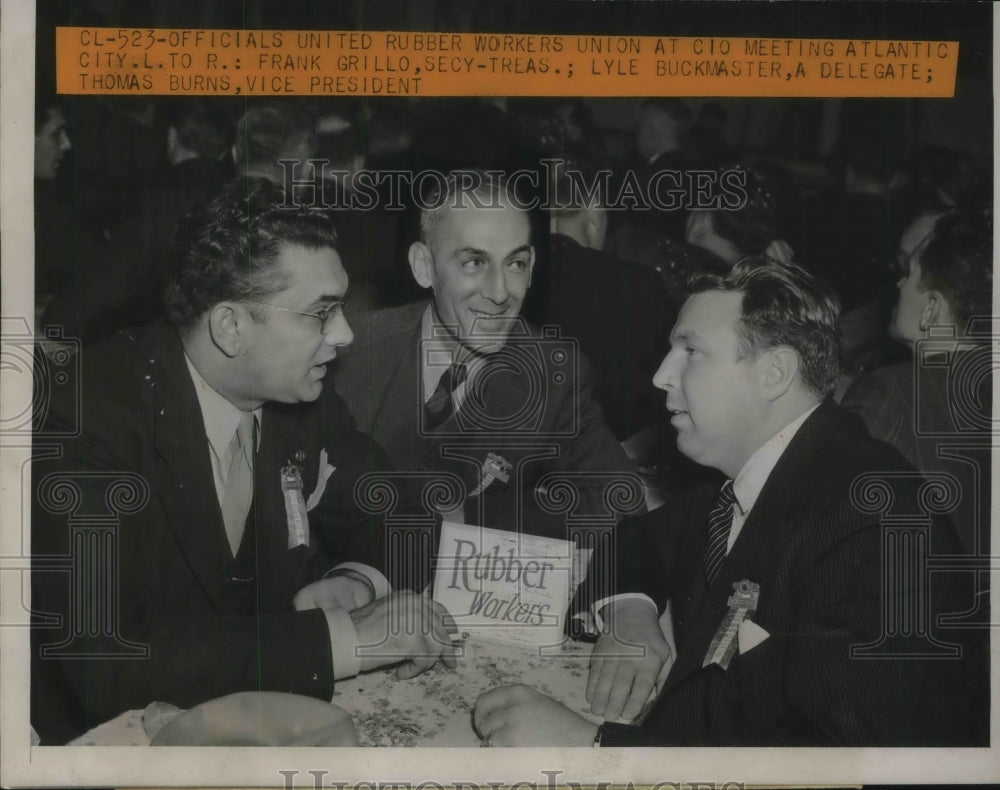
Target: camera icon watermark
point(52, 365)
point(958, 370)
point(508, 391)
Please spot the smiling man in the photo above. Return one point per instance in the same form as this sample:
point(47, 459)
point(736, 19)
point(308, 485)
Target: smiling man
point(226, 492)
point(461, 384)
point(790, 545)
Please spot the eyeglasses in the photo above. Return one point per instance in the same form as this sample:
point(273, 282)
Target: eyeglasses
point(324, 316)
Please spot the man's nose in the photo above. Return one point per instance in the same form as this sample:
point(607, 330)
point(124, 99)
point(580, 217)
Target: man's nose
point(665, 375)
point(338, 332)
point(494, 286)
point(64, 143)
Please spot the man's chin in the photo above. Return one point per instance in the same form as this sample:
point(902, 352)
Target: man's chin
point(689, 448)
point(486, 348)
point(309, 393)
point(486, 343)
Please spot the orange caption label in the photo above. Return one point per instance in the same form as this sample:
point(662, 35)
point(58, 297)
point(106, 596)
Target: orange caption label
point(342, 63)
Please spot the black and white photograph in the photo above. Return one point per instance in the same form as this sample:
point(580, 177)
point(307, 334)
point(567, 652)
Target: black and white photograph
point(561, 376)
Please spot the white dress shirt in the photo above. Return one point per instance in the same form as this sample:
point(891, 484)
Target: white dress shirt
point(438, 355)
point(221, 418)
point(748, 484)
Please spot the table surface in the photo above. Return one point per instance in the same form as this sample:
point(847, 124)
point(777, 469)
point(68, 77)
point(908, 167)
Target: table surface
point(432, 709)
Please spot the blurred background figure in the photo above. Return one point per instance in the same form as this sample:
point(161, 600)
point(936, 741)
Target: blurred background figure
point(272, 131)
point(619, 312)
point(707, 142)
point(66, 246)
point(744, 219)
point(660, 144)
point(367, 232)
point(942, 393)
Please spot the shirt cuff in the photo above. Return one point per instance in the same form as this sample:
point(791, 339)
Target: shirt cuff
point(343, 644)
point(380, 584)
point(595, 609)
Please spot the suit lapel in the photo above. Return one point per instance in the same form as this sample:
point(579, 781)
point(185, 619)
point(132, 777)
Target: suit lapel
point(284, 441)
point(756, 551)
point(184, 480)
point(397, 426)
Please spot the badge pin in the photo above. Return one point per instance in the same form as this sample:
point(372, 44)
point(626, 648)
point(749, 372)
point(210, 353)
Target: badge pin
point(495, 467)
point(742, 604)
point(295, 506)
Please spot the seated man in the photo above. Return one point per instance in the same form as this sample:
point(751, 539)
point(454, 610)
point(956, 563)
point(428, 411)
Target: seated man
point(462, 384)
point(180, 530)
point(792, 545)
point(934, 408)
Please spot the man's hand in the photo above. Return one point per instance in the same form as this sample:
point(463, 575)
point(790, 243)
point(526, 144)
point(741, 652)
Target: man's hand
point(780, 250)
point(627, 660)
point(344, 591)
point(339, 732)
point(521, 716)
point(405, 627)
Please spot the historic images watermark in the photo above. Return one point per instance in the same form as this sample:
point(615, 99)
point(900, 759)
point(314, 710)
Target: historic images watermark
point(319, 779)
point(313, 183)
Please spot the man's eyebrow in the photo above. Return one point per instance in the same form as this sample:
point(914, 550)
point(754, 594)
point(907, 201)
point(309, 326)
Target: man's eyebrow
point(326, 300)
point(686, 336)
point(519, 250)
point(486, 254)
point(473, 251)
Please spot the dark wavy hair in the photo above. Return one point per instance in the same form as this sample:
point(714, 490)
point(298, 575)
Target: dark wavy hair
point(784, 305)
point(753, 225)
point(958, 262)
point(227, 249)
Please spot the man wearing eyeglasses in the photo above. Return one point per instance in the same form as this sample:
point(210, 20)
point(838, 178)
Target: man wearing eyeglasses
point(223, 498)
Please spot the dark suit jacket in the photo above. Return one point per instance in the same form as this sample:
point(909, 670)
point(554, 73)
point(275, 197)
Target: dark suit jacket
point(210, 624)
point(620, 313)
point(937, 431)
point(534, 408)
point(817, 559)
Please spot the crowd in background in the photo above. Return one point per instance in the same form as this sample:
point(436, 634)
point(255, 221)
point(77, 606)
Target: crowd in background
point(113, 175)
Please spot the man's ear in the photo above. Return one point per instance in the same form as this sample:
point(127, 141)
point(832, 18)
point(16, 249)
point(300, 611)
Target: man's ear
point(227, 326)
point(780, 369)
point(421, 264)
point(936, 310)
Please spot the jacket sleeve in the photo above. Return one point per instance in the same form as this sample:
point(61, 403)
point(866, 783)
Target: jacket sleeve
point(351, 517)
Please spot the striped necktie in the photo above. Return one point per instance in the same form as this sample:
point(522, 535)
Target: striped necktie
point(440, 406)
point(720, 520)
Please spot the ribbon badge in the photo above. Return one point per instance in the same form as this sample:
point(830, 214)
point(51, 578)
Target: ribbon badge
point(495, 467)
point(742, 604)
point(295, 506)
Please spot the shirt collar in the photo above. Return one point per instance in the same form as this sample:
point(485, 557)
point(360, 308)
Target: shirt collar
point(438, 353)
point(752, 477)
point(221, 417)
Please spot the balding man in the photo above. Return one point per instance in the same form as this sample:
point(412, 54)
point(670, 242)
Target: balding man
point(463, 369)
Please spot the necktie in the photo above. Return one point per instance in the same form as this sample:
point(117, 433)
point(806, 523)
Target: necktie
point(440, 407)
point(720, 520)
point(239, 483)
